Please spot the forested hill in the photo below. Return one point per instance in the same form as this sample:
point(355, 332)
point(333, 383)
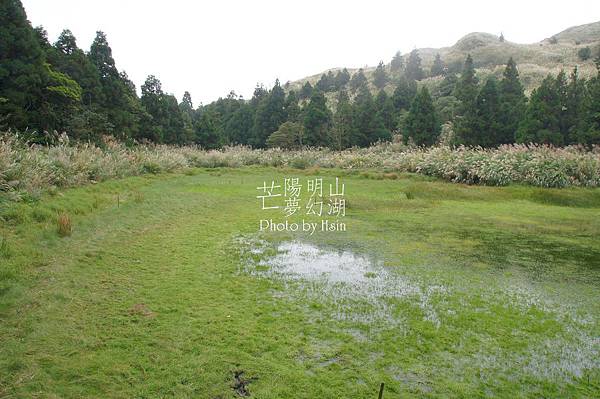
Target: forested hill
point(474, 93)
point(564, 50)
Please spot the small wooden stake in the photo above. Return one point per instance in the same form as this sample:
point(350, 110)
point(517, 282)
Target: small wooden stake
point(118, 200)
point(381, 390)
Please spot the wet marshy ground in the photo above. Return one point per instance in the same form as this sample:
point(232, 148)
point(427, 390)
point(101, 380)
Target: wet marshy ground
point(502, 329)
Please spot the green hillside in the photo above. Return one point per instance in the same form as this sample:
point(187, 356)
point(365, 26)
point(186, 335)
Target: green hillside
point(535, 60)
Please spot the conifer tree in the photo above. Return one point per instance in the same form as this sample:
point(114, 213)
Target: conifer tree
point(380, 78)
point(397, 63)
point(186, 107)
point(414, 71)
point(306, 91)
point(239, 127)
point(368, 128)
point(153, 128)
point(292, 109)
point(385, 110)
point(269, 115)
point(466, 123)
point(208, 129)
point(541, 123)
point(317, 119)
point(405, 92)
point(341, 131)
point(324, 84)
point(342, 78)
point(575, 108)
point(71, 60)
point(487, 105)
point(591, 134)
point(23, 75)
point(119, 100)
point(358, 80)
point(421, 123)
point(438, 66)
point(186, 102)
point(512, 103)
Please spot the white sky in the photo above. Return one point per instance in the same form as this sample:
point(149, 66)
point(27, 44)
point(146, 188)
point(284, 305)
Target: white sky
point(212, 47)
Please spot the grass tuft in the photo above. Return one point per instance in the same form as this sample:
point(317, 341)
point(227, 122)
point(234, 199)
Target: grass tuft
point(64, 225)
point(4, 248)
point(138, 197)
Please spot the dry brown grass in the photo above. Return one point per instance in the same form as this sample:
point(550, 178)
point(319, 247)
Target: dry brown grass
point(64, 225)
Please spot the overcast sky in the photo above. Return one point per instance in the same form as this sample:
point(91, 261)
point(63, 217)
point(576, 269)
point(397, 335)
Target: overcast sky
point(212, 47)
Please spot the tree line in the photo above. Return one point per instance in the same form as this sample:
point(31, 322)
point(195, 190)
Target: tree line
point(48, 87)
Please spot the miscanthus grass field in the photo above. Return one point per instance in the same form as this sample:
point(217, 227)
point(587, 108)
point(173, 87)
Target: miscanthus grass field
point(161, 284)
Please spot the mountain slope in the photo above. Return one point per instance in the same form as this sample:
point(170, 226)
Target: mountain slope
point(534, 60)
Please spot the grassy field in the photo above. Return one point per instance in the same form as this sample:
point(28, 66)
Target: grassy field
point(165, 288)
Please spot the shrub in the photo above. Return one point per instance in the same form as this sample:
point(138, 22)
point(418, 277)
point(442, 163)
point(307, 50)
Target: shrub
point(584, 53)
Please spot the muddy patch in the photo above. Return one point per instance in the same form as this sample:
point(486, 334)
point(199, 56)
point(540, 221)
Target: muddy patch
point(241, 383)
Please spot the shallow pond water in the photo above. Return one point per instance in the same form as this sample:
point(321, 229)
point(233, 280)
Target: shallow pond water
point(358, 287)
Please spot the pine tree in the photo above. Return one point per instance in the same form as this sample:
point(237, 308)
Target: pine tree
point(72, 61)
point(186, 102)
point(368, 128)
point(208, 129)
point(512, 103)
point(466, 91)
point(487, 105)
point(575, 107)
point(292, 109)
point(358, 80)
point(306, 91)
point(119, 99)
point(317, 119)
point(385, 110)
point(414, 71)
point(397, 63)
point(341, 132)
point(324, 84)
point(186, 107)
point(380, 78)
point(421, 123)
point(101, 55)
point(174, 126)
point(591, 135)
point(153, 128)
point(541, 123)
point(448, 86)
point(405, 92)
point(342, 78)
point(466, 88)
point(438, 67)
point(23, 76)
point(269, 115)
point(239, 127)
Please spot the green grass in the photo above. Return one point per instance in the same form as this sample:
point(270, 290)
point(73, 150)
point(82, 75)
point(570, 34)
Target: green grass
point(150, 296)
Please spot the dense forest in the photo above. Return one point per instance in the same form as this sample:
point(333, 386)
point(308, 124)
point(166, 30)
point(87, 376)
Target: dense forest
point(58, 87)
